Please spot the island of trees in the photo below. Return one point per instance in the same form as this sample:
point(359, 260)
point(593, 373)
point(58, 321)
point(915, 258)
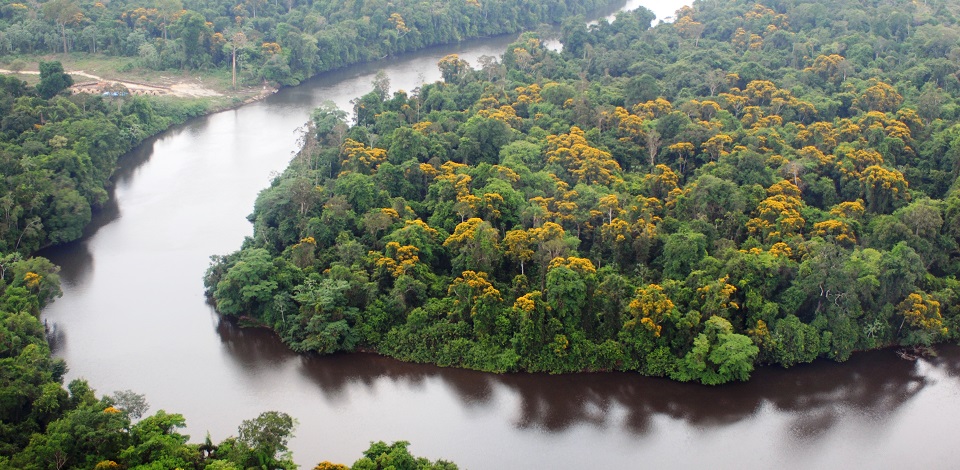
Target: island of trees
point(755, 183)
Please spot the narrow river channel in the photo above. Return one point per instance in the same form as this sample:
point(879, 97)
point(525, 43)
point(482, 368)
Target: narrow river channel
point(133, 316)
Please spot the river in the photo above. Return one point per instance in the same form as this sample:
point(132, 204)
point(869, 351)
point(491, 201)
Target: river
point(133, 316)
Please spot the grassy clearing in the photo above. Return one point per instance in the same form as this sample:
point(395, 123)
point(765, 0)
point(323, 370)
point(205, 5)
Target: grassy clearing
point(125, 69)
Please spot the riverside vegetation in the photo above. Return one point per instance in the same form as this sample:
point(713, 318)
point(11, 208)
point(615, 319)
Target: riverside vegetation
point(58, 152)
point(755, 183)
point(752, 184)
point(280, 42)
point(56, 156)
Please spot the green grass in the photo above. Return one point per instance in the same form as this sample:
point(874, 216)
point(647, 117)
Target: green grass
point(126, 69)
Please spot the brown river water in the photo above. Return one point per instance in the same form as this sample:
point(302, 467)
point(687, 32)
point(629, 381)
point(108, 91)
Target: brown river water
point(133, 316)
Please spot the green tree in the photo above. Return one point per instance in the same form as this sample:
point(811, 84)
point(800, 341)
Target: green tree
point(794, 342)
point(191, 30)
point(62, 13)
point(247, 285)
point(718, 355)
point(155, 442)
point(80, 439)
point(381, 455)
point(482, 140)
point(267, 436)
point(53, 80)
point(682, 251)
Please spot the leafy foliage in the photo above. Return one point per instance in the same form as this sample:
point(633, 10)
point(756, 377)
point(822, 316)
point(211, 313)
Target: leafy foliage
point(381, 455)
point(57, 154)
point(612, 206)
point(48, 426)
point(281, 42)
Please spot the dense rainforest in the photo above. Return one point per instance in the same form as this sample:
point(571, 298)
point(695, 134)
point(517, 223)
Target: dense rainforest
point(282, 42)
point(56, 156)
point(58, 152)
point(45, 426)
point(755, 183)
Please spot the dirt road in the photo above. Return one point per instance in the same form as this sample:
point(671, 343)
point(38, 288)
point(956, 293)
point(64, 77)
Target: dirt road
point(99, 85)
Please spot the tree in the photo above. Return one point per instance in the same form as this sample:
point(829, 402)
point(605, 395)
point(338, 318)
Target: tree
point(716, 144)
point(880, 97)
point(154, 441)
point(53, 80)
point(477, 300)
point(795, 342)
point(381, 85)
point(80, 439)
point(62, 13)
point(238, 40)
point(381, 455)
point(482, 140)
point(267, 436)
point(39, 276)
point(328, 120)
point(883, 188)
point(169, 9)
point(682, 252)
point(475, 244)
point(359, 158)
point(134, 404)
point(327, 465)
point(649, 307)
point(653, 146)
point(452, 67)
point(567, 289)
point(778, 216)
point(577, 157)
point(247, 285)
point(191, 29)
point(517, 245)
point(922, 314)
point(718, 355)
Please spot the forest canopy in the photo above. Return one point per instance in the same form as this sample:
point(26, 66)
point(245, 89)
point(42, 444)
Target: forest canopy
point(281, 42)
point(755, 183)
point(58, 152)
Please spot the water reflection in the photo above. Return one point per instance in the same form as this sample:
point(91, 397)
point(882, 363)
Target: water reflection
point(75, 261)
point(74, 258)
point(56, 337)
point(132, 161)
point(948, 360)
point(252, 348)
point(812, 397)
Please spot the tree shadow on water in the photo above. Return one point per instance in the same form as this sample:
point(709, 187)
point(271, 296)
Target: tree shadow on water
point(252, 349)
point(811, 399)
point(256, 350)
point(947, 360)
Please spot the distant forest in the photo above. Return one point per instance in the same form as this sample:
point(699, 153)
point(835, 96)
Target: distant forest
point(282, 42)
point(754, 183)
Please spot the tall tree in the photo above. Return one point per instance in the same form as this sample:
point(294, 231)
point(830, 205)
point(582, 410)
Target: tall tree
point(62, 13)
